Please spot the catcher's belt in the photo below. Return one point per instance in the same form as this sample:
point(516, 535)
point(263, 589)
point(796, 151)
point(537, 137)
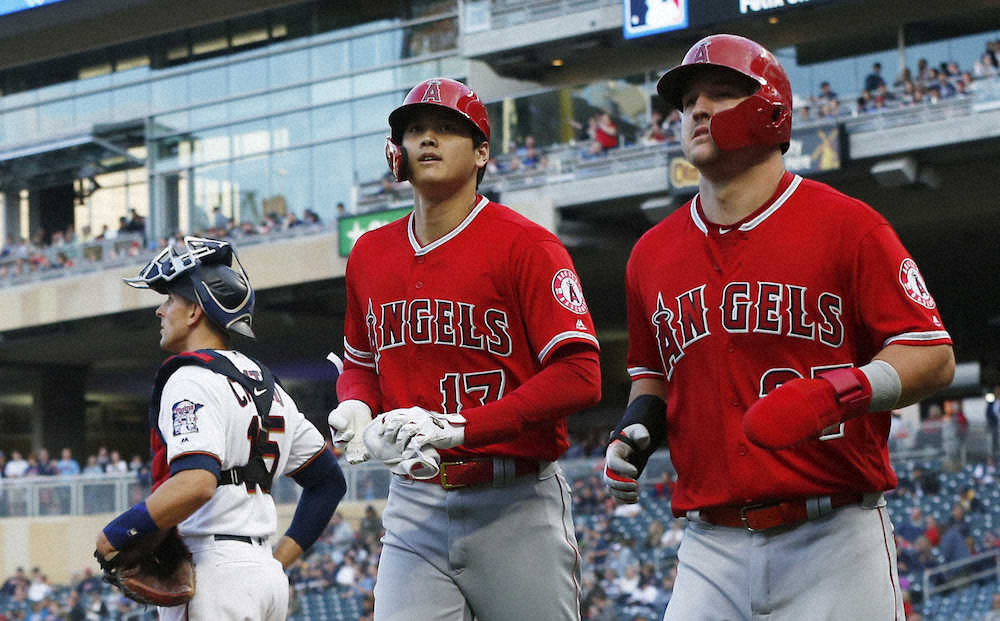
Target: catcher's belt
point(498, 471)
point(768, 515)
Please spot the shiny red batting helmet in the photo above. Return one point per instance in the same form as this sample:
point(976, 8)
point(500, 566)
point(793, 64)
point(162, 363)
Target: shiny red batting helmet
point(441, 92)
point(765, 118)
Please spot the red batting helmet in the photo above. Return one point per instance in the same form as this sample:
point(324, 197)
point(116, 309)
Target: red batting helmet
point(765, 118)
point(442, 92)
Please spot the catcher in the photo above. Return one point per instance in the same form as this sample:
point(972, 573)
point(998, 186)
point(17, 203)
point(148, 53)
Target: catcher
point(221, 429)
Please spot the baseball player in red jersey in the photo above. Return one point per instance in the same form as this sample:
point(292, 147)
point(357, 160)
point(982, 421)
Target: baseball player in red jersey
point(773, 323)
point(466, 327)
point(221, 428)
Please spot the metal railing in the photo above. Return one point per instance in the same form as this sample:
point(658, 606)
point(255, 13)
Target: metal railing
point(961, 573)
point(506, 13)
point(89, 494)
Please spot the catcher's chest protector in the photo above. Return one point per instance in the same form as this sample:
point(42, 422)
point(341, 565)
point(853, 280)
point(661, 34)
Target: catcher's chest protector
point(261, 391)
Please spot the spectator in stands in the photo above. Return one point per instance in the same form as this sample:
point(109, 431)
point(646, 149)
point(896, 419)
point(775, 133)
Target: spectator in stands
point(371, 525)
point(912, 529)
point(884, 98)
point(932, 533)
point(874, 79)
point(654, 132)
point(341, 532)
point(46, 466)
point(986, 66)
point(39, 588)
point(16, 467)
point(116, 463)
point(826, 95)
point(11, 584)
point(92, 466)
point(994, 612)
point(606, 132)
point(924, 72)
point(944, 86)
point(530, 156)
point(672, 538)
point(219, 220)
point(311, 218)
point(103, 458)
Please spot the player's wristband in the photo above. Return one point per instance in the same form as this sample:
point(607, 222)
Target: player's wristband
point(130, 526)
point(885, 383)
point(649, 411)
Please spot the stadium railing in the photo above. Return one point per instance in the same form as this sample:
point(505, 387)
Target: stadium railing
point(961, 573)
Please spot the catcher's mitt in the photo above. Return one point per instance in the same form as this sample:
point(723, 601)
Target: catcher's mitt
point(157, 570)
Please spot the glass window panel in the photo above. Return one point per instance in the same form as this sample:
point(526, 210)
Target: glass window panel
point(56, 117)
point(329, 59)
point(331, 90)
point(290, 98)
point(333, 121)
point(290, 130)
point(289, 68)
point(170, 93)
point(19, 99)
point(173, 152)
point(56, 91)
point(211, 145)
point(842, 76)
point(388, 47)
point(131, 101)
point(408, 75)
point(94, 108)
point(291, 173)
point(431, 38)
point(250, 138)
point(171, 123)
point(208, 85)
point(333, 177)
point(210, 115)
point(251, 183)
point(372, 113)
point(248, 107)
point(369, 158)
point(248, 76)
point(364, 52)
point(212, 189)
point(454, 66)
point(374, 82)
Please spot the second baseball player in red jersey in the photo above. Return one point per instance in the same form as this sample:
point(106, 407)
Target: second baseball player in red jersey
point(467, 329)
point(773, 323)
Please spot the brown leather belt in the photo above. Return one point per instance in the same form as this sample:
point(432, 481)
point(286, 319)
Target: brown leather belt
point(764, 516)
point(480, 471)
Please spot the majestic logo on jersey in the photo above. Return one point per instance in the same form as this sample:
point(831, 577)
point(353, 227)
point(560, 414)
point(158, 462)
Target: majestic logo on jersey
point(566, 288)
point(185, 416)
point(913, 284)
point(761, 307)
point(438, 322)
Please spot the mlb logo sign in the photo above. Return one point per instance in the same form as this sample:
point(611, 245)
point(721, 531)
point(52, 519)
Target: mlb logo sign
point(646, 17)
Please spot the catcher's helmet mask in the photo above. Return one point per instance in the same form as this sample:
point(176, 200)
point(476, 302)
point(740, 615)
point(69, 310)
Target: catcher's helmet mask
point(202, 272)
point(764, 118)
point(439, 93)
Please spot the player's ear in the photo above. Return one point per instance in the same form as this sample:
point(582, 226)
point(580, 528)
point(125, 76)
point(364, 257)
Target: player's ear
point(194, 313)
point(482, 153)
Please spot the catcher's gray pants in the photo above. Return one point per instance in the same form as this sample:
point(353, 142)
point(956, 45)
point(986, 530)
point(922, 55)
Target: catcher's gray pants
point(841, 567)
point(234, 581)
point(495, 553)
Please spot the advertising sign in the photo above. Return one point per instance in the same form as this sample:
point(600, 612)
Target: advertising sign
point(13, 6)
point(646, 17)
point(350, 228)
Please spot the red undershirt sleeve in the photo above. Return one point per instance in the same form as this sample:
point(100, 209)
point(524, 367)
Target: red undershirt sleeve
point(569, 382)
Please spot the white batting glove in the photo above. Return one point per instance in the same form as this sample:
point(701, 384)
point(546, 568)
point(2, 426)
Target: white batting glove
point(619, 474)
point(417, 428)
point(347, 422)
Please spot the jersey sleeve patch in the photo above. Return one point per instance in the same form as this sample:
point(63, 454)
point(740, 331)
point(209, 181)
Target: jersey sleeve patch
point(185, 417)
point(913, 284)
point(568, 292)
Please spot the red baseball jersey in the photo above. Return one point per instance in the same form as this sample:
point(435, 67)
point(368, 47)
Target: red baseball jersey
point(811, 281)
point(464, 320)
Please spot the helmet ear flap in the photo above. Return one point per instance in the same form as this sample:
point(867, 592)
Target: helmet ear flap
point(395, 156)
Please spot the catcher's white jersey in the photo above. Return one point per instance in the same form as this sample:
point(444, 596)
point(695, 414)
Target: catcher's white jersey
point(205, 413)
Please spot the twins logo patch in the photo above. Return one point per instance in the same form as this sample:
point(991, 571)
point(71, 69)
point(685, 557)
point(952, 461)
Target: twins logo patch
point(566, 289)
point(185, 415)
point(913, 284)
